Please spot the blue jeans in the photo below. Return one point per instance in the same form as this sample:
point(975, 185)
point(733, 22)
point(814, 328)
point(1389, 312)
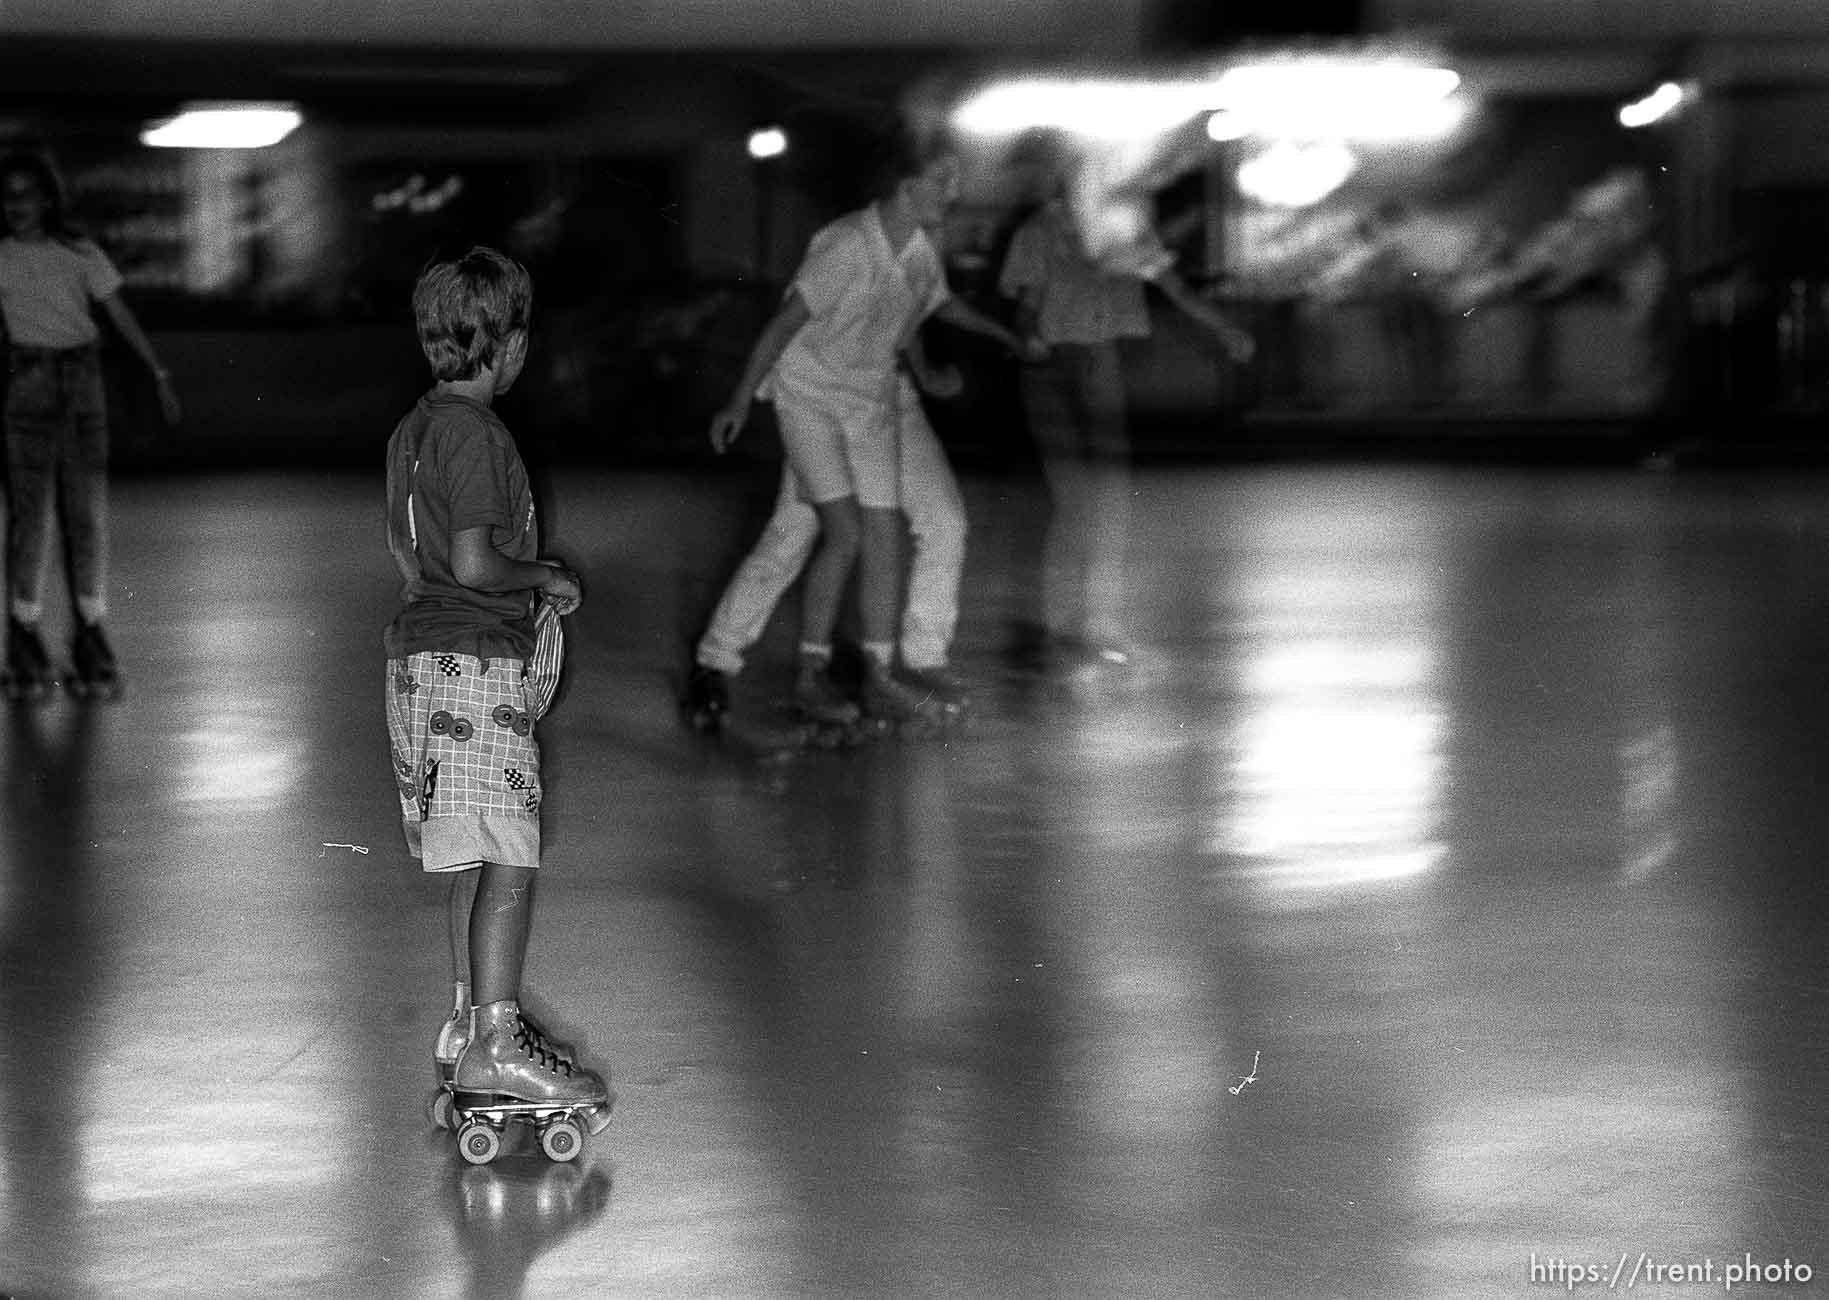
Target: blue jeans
point(56, 445)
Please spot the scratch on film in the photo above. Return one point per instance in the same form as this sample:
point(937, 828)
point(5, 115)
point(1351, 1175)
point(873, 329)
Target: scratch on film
point(1239, 1087)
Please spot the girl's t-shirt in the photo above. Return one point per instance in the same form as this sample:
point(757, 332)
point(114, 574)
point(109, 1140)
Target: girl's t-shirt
point(47, 289)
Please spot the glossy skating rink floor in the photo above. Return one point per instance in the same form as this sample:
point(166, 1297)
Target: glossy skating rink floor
point(1437, 912)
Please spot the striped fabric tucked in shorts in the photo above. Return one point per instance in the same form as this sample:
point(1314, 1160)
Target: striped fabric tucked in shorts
point(548, 660)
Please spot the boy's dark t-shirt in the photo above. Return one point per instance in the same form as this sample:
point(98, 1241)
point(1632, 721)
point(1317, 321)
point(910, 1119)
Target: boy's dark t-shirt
point(452, 465)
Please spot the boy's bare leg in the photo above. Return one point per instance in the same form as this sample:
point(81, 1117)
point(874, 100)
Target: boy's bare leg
point(507, 1056)
point(463, 914)
point(500, 919)
point(459, 899)
point(454, 1033)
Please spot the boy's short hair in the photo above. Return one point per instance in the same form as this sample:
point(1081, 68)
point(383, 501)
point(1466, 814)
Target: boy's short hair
point(467, 307)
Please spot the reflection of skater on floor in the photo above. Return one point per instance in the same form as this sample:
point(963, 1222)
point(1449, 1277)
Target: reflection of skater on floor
point(836, 360)
point(52, 893)
point(507, 1216)
point(1081, 310)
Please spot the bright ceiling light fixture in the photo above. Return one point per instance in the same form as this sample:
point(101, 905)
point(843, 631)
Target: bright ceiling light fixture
point(767, 142)
point(1338, 98)
point(1092, 109)
point(1292, 175)
point(218, 125)
point(1655, 107)
point(1302, 97)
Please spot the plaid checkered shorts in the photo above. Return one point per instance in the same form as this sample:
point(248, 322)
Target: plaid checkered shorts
point(466, 763)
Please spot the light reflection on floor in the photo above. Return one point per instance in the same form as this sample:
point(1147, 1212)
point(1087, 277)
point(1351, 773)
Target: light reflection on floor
point(1338, 728)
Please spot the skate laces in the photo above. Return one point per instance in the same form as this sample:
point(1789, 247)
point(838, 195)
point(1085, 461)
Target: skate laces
point(540, 1048)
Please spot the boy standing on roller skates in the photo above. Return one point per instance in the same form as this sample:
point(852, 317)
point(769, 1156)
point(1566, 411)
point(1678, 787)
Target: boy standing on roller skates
point(462, 697)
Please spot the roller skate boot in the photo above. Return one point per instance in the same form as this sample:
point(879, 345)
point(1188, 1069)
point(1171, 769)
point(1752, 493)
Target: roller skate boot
point(509, 1071)
point(454, 1036)
point(96, 674)
point(28, 668)
point(707, 699)
point(818, 699)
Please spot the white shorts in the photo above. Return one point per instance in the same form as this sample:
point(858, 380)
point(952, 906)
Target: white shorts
point(842, 445)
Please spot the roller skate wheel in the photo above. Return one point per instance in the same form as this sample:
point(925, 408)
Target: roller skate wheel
point(562, 1140)
point(477, 1142)
point(443, 1111)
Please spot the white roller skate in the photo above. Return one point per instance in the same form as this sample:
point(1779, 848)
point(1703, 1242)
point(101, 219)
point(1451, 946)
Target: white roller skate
point(509, 1070)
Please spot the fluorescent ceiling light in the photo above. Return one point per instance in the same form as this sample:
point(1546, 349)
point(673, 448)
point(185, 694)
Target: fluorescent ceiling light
point(1091, 109)
point(1295, 98)
point(223, 126)
point(768, 142)
point(1296, 81)
point(1340, 99)
point(1655, 107)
